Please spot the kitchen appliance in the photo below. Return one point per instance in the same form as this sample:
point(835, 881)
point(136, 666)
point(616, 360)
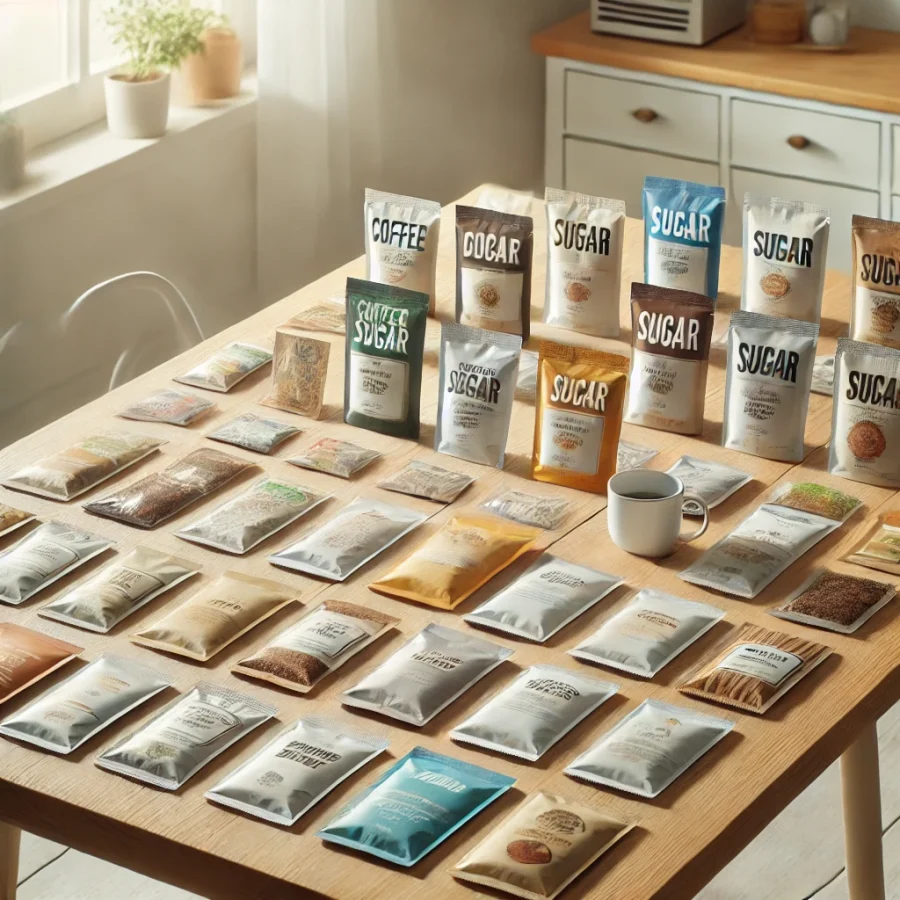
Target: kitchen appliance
point(674, 21)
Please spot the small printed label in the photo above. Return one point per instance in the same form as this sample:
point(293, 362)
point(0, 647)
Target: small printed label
point(491, 294)
point(768, 664)
point(571, 441)
point(677, 265)
point(877, 317)
point(326, 635)
point(378, 387)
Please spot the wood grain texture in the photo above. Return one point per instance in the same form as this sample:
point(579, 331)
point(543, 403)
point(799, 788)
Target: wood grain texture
point(863, 75)
point(683, 837)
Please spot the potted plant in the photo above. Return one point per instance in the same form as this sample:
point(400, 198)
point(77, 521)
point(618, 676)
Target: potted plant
point(157, 36)
point(215, 72)
point(12, 154)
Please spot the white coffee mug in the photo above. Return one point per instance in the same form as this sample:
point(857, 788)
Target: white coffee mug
point(644, 512)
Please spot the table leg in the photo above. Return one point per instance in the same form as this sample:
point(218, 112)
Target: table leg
point(10, 837)
point(861, 797)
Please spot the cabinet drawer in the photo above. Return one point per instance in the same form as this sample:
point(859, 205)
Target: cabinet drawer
point(617, 172)
point(831, 148)
point(685, 123)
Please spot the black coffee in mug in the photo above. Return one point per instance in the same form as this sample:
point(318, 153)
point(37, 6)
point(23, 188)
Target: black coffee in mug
point(644, 495)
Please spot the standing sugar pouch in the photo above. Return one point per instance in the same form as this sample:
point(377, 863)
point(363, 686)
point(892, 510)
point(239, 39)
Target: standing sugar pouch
point(875, 305)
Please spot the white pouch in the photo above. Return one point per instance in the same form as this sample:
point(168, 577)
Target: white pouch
point(714, 482)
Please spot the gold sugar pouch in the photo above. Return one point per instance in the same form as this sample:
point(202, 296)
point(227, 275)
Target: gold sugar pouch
point(579, 400)
point(456, 560)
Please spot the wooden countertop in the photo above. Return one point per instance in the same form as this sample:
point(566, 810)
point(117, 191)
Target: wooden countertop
point(865, 75)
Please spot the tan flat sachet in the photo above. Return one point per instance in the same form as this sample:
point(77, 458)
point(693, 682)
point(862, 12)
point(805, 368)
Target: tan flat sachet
point(27, 656)
point(215, 616)
point(541, 847)
point(458, 559)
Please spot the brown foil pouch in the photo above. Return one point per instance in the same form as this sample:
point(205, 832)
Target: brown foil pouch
point(27, 656)
point(456, 560)
point(755, 667)
point(541, 847)
point(875, 310)
point(579, 405)
point(298, 374)
point(216, 615)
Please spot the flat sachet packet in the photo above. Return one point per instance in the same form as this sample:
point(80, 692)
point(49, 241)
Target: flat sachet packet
point(633, 456)
point(12, 518)
point(713, 482)
point(422, 479)
point(174, 407)
point(226, 367)
point(253, 432)
point(329, 314)
point(299, 373)
point(537, 510)
point(881, 548)
point(335, 457)
point(27, 656)
point(807, 496)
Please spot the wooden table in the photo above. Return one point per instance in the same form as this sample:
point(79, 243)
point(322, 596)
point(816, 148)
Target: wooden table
point(683, 838)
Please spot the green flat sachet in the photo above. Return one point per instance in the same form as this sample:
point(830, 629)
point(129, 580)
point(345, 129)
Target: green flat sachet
point(384, 349)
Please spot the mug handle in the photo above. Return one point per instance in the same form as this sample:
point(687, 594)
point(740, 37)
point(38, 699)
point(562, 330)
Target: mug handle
point(687, 538)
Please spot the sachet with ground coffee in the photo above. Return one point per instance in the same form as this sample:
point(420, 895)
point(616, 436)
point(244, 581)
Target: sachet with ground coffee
point(174, 407)
point(253, 432)
point(875, 306)
point(421, 479)
point(329, 314)
point(537, 510)
point(227, 367)
point(334, 457)
point(880, 550)
point(27, 656)
point(12, 518)
point(299, 373)
point(713, 482)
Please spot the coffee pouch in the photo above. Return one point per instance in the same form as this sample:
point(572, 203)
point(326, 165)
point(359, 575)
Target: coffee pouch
point(12, 518)
point(298, 374)
point(541, 847)
point(713, 482)
point(174, 407)
point(335, 457)
point(880, 550)
point(584, 262)
point(43, 556)
point(71, 472)
point(321, 641)
point(254, 433)
point(537, 510)
point(415, 806)
point(27, 656)
point(770, 363)
point(538, 709)
point(119, 589)
point(683, 235)
point(383, 361)
point(465, 553)
point(544, 599)
point(226, 367)
point(865, 427)
point(329, 314)
point(648, 633)
point(649, 748)
point(402, 241)
point(215, 616)
point(67, 715)
point(493, 270)
point(421, 479)
point(753, 668)
point(475, 399)
point(425, 675)
point(578, 417)
point(182, 738)
point(633, 456)
point(355, 535)
point(246, 520)
point(785, 245)
point(293, 772)
point(875, 310)
point(671, 335)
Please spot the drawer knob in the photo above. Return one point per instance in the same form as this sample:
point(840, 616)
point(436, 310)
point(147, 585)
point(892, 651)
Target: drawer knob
point(798, 142)
point(645, 115)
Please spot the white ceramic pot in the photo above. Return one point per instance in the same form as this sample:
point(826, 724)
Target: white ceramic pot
point(137, 109)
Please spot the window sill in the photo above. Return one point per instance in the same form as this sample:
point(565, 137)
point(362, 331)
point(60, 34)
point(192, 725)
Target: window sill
point(76, 161)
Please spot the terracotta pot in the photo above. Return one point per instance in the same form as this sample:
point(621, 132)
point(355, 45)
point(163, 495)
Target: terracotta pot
point(214, 74)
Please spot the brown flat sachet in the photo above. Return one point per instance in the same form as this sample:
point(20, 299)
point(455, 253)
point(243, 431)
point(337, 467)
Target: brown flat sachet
point(754, 668)
point(12, 518)
point(298, 374)
point(27, 656)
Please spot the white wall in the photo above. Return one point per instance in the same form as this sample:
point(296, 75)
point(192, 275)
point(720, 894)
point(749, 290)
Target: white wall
point(877, 13)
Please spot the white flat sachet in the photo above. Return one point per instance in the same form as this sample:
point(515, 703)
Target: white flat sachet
point(648, 633)
point(544, 599)
point(713, 482)
point(538, 709)
point(649, 748)
point(227, 367)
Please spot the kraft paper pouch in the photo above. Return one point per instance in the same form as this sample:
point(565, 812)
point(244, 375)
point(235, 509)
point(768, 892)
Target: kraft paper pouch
point(785, 244)
point(215, 616)
point(329, 314)
point(298, 374)
point(769, 373)
point(355, 535)
point(71, 713)
point(227, 367)
point(119, 589)
point(340, 458)
point(383, 360)
point(68, 474)
point(881, 548)
point(648, 633)
point(540, 511)
point(426, 675)
point(312, 648)
point(648, 749)
point(713, 482)
point(465, 553)
point(421, 479)
point(578, 416)
point(12, 518)
point(753, 668)
point(493, 270)
point(865, 425)
point(292, 773)
point(27, 656)
point(43, 556)
point(875, 307)
point(254, 432)
point(541, 847)
point(183, 737)
point(683, 235)
point(174, 407)
point(538, 709)
point(415, 806)
point(477, 388)
point(584, 262)
point(544, 599)
point(401, 241)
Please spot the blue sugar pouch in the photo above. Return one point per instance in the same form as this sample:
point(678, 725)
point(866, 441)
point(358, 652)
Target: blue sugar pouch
point(683, 235)
point(419, 802)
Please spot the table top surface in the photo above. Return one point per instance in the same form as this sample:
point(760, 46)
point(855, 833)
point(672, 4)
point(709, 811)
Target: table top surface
point(682, 838)
point(863, 74)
